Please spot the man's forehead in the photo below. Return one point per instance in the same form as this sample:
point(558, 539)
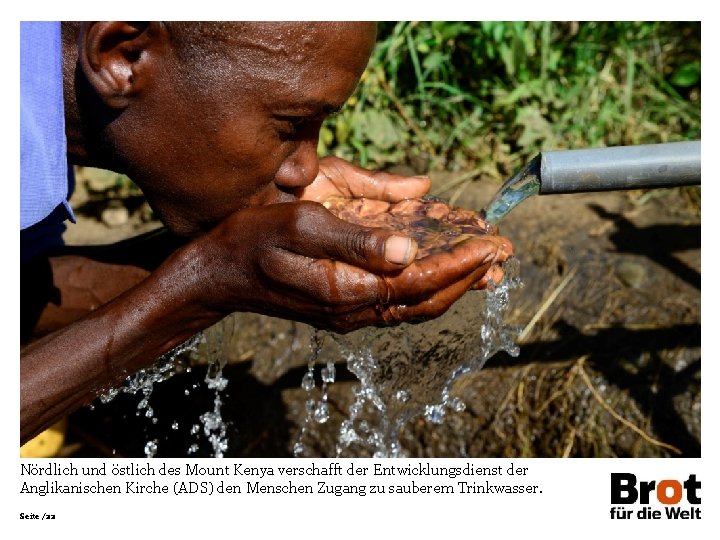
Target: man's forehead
point(282, 39)
point(273, 62)
point(298, 55)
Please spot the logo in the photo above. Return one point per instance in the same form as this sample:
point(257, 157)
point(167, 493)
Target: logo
point(677, 499)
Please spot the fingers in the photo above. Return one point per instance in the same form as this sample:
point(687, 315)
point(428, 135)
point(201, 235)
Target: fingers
point(344, 298)
point(435, 305)
point(300, 261)
point(392, 188)
point(321, 287)
point(338, 177)
point(469, 263)
point(472, 257)
point(494, 273)
point(423, 310)
point(317, 233)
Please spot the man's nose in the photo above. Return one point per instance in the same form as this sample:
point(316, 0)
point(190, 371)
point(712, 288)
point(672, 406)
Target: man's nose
point(300, 168)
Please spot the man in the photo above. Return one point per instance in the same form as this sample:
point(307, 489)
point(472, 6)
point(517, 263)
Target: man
point(217, 123)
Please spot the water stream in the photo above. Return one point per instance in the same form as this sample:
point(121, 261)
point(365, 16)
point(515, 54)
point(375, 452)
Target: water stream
point(409, 370)
point(216, 338)
point(525, 183)
point(211, 345)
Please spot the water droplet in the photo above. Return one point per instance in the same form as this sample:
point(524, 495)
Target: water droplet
point(457, 404)
point(310, 406)
point(151, 448)
point(215, 429)
point(434, 413)
point(216, 383)
point(328, 373)
point(175, 425)
point(308, 381)
point(321, 413)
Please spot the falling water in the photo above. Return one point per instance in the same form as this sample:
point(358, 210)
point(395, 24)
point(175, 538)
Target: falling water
point(519, 187)
point(144, 380)
point(409, 370)
point(316, 410)
point(216, 339)
point(208, 344)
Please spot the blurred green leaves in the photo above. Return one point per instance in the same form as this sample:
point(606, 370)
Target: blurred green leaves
point(380, 129)
point(487, 95)
point(687, 75)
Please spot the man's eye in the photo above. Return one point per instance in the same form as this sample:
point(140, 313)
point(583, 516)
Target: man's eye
point(290, 126)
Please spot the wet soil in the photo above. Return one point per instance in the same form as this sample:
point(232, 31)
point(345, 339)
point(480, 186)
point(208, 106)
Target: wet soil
point(609, 362)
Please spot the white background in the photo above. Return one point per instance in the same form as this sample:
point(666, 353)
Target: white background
point(575, 501)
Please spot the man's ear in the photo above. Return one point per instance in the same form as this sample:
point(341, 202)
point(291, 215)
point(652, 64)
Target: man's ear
point(118, 58)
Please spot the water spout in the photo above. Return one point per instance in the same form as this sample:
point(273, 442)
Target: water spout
point(642, 166)
point(519, 187)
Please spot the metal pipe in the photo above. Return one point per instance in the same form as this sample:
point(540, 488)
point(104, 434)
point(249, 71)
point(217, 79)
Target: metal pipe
point(599, 169)
point(620, 167)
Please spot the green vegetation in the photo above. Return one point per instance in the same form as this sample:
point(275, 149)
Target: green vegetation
point(485, 96)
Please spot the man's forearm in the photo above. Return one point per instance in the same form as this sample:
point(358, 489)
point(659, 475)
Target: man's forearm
point(66, 369)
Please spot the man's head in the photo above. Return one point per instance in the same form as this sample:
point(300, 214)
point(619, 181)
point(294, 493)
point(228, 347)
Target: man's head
point(211, 117)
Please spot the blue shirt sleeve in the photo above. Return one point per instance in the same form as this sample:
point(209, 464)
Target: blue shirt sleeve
point(43, 147)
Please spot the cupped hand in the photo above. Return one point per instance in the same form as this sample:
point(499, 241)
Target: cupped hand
point(298, 261)
point(338, 178)
point(451, 240)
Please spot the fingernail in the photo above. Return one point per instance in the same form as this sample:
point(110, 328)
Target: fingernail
point(399, 249)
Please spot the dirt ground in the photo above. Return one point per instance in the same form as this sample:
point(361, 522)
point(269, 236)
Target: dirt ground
point(609, 363)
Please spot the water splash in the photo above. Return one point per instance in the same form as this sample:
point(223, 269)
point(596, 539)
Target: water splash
point(151, 448)
point(519, 187)
point(316, 410)
point(211, 344)
point(366, 429)
point(215, 429)
point(144, 380)
point(409, 370)
point(216, 339)
point(403, 371)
